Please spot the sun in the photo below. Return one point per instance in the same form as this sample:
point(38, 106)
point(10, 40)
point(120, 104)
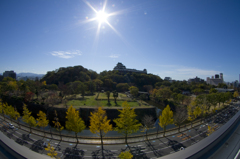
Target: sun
point(102, 16)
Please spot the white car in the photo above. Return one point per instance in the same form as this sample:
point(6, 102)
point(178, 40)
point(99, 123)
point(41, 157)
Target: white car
point(11, 126)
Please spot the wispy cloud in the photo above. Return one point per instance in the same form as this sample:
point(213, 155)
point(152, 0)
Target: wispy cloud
point(66, 54)
point(114, 56)
point(182, 72)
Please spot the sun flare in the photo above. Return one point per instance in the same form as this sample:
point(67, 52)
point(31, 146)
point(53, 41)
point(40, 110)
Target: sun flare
point(102, 16)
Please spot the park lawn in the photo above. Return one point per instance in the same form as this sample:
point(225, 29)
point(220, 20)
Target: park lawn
point(104, 103)
point(104, 96)
point(122, 95)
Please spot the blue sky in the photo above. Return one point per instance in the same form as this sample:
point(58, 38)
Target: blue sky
point(178, 39)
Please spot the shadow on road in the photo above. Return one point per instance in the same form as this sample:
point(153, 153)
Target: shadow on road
point(153, 149)
point(137, 152)
point(107, 154)
point(73, 153)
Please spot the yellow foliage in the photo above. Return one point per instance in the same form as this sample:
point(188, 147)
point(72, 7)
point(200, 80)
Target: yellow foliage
point(9, 110)
point(74, 122)
point(44, 83)
point(125, 155)
point(42, 119)
point(197, 112)
point(235, 94)
point(126, 123)
point(27, 118)
point(52, 153)
point(99, 122)
point(166, 118)
point(210, 130)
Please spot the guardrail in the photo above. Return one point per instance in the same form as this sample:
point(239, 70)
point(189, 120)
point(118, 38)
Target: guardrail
point(203, 148)
point(108, 140)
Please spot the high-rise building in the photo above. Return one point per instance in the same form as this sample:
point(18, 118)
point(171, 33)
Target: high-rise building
point(215, 81)
point(9, 74)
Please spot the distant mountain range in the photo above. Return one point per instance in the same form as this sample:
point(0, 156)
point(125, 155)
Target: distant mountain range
point(29, 75)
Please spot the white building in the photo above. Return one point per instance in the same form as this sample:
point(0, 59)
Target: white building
point(215, 81)
point(121, 68)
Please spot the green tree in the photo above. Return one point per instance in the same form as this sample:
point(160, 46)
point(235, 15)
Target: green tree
point(142, 97)
point(181, 97)
point(126, 124)
point(122, 87)
point(42, 120)
point(99, 124)
point(222, 85)
point(125, 155)
point(134, 90)
point(98, 83)
point(52, 152)
point(57, 124)
point(108, 95)
point(213, 90)
point(74, 122)
point(166, 118)
point(115, 95)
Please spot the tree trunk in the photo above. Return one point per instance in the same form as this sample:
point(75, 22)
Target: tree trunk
point(101, 143)
point(126, 140)
point(146, 135)
point(77, 139)
point(19, 124)
point(60, 135)
point(164, 128)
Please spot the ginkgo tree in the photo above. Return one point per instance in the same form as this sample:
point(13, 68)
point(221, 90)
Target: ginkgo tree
point(126, 124)
point(74, 122)
point(13, 114)
point(57, 124)
point(51, 151)
point(42, 120)
point(125, 155)
point(99, 124)
point(27, 118)
point(166, 118)
point(210, 130)
point(2, 109)
point(190, 110)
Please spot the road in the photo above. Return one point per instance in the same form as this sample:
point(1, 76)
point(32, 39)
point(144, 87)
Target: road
point(147, 149)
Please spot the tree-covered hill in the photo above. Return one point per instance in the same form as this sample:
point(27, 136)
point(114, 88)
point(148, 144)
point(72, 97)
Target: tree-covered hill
point(69, 74)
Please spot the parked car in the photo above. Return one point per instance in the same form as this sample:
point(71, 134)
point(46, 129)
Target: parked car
point(11, 126)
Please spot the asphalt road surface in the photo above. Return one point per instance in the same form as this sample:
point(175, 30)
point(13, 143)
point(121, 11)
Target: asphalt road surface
point(147, 149)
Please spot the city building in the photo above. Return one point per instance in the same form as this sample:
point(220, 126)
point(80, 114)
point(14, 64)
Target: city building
point(196, 80)
point(1, 77)
point(168, 78)
point(121, 68)
point(9, 74)
point(215, 81)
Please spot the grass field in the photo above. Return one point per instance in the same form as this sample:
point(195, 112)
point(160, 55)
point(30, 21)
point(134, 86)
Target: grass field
point(102, 103)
